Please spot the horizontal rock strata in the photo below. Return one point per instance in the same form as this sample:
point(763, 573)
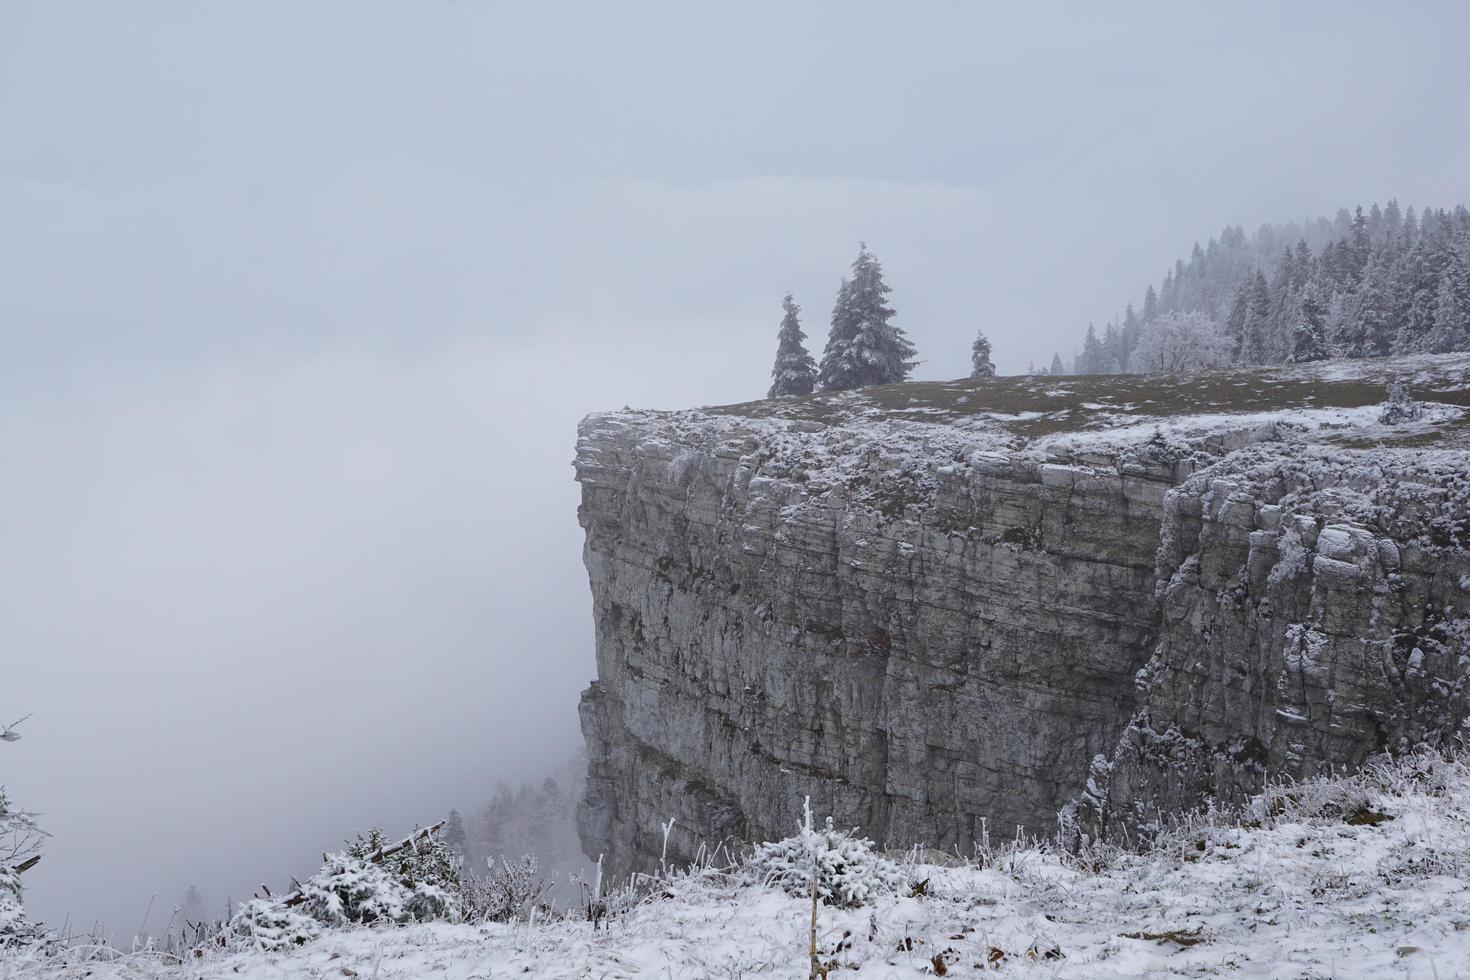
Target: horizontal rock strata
point(943, 622)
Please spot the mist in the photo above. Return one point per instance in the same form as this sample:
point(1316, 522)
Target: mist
point(300, 306)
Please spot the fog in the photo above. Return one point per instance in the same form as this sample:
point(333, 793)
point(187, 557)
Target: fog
point(300, 305)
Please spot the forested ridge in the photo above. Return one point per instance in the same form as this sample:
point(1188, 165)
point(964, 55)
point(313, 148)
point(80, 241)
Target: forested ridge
point(1361, 284)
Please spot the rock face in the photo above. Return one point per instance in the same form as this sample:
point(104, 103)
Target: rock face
point(1313, 613)
point(946, 611)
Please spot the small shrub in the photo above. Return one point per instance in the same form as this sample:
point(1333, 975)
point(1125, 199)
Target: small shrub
point(849, 872)
point(431, 902)
point(348, 889)
point(511, 890)
point(1399, 407)
point(271, 927)
point(15, 928)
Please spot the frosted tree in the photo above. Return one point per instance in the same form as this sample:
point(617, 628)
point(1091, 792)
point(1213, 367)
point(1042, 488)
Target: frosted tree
point(1181, 343)
point(1451, 330)
point(864, 346)
point(795, 373)
point(1309, 337)
point(1371, 330)
point(1379, 278)
point(454, 835)
point(20, 848)
point(1091, 360)
point(429, 860)
point(837, 866)
point(980, 364)
point(1252, 346)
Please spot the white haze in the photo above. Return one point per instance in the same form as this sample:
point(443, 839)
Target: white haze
point(300, 305)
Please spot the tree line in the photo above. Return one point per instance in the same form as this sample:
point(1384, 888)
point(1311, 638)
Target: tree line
point(1384, 282)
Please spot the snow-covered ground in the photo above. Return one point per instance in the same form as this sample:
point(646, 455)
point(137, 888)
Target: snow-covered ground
point(1363, 876)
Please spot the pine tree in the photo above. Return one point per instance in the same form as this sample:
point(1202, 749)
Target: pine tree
point(1372, 323)
point(1309, 339)
point(1254, 333)
point(1451, 329)
point(980, 364)
point(795, 373)
point(863, 346)
point(1235, 320)
point(1056, 364)
point(1112, 343)
point(1092, 359)
point(1130, 335)
point(1377, 279)
point(1359, 246)
point(454, 834)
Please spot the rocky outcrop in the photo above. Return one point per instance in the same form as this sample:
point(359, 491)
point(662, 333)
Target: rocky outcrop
point(946, 611)
point(1314, 612)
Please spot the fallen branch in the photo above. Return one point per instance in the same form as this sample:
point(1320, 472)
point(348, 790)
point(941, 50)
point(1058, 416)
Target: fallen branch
point(297, 897)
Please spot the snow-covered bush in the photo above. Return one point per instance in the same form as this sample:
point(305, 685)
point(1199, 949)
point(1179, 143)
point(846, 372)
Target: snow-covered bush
point(1399, 407)
point(849, 872)
point(349, 889)
point(269, 926)
point(20, 846)
point(428, 902)
point(511, 890)
point(428, 860)
point(15, 928)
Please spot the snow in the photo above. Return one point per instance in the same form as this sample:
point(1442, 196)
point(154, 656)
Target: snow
point(1364, 876)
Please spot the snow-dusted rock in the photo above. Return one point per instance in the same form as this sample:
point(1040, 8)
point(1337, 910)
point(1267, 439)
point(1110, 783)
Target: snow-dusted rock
point(924, 606)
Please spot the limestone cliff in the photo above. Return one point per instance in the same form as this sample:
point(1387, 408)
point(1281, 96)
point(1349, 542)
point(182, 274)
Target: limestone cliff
point(947, 610)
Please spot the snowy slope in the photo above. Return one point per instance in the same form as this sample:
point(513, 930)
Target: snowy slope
point(1367, 876)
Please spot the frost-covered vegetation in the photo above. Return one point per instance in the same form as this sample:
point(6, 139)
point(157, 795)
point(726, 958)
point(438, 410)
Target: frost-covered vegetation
point(1363, 875)
point(1385, 282)
point(864, 345)
point(847, 872)
point(21, 837)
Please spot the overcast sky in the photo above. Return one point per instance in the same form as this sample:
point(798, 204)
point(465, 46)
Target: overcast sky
point(300, 304)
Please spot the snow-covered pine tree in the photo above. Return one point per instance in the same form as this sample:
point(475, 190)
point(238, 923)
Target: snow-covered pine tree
point(864, 346)
point(795, 373)
point(454, 835)
point(1056, 364)
point(20, 848)
point(842, 867)
point(1129, 336)
point(1254, 332)
point(1150, 304)
point(1235, 320)
point(1451, 330)
point(269, 927)
point(428, 861)
point(1372, 332)
point(980, 364)
point(1092, 360)
point(1377, 273)
point(1309, 337)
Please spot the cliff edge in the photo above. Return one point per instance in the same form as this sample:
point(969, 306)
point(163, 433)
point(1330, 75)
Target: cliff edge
point(944, 611)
